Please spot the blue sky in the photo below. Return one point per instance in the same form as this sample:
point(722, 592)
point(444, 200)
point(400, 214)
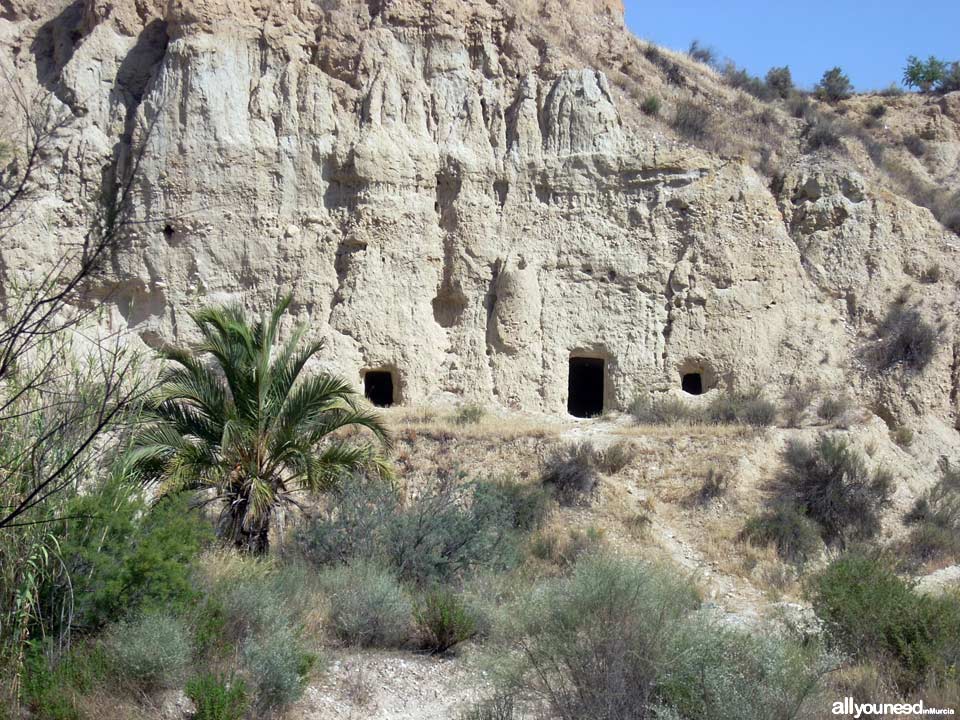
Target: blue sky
point(869, 40)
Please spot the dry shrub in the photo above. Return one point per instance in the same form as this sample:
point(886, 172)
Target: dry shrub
point(571, 472)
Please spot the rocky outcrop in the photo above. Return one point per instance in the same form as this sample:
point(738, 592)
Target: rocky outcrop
point(451, 197)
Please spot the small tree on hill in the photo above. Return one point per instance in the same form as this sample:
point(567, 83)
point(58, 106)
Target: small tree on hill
point(780, 81)
point(834, 86)
point(924, 74)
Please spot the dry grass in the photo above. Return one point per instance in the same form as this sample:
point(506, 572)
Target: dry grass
point(439, 423)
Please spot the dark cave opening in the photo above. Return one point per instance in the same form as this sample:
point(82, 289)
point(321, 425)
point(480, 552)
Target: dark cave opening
point(585, 387)
point(378, 387)
point(692, 383)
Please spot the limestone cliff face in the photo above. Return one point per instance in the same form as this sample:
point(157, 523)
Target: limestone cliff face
point(451, 196)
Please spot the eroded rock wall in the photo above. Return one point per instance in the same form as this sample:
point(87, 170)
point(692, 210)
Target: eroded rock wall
point(450, 197)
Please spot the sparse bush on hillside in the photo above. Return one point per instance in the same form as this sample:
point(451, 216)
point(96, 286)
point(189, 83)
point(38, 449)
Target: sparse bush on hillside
point(715, 484)
point(780, 81)
point(671, 70)
point(951, 79)
point(800, 107)
point(449, 528)
point(822, 133)
point(747, 407)
point(702, 53)
point(616, 456)
point(278, 664)
point(571, 472)
point(795, 536)
point(650, 105)
point(692, 120)
point(891, 90)
point(932, 275)
point(152, 651)
point(916, 145)
point(834, 408)
point(500, 706)
point(470, 414)
point(829, 482)
point(935, 518)
point(834, 86)
point(877, 110)
point(664, 411)
point(871, 613)
point(905, 339)
point(565, 548)
point(445, 620)
point(368, 606)
point(619, 640)
point(797, 398)
point(740, 79)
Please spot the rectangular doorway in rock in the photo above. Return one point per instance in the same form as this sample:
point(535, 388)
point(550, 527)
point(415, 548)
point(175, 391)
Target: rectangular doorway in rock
point(378, 387)
point(585, 387)
point(692, 383)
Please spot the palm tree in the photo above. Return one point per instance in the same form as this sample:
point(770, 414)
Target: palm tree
point(239, 417)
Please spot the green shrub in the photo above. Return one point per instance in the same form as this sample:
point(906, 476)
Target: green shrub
point(210, 627)
point(780, 81)
point(692, 120)
point(650, 105)
point(829, 482)
point(524, 506)
point(51, 685)
point(470, 414)
point(834, 86)
point(877, 110)
point(445, 531)
point(122, 557)
point(906, 340)
point(217, 698)
point(795, 536)
point(746, 408)
point(870, 612)
point(254, 598)
point(571, 473)
point(617, 639)
point(924, 74)
point(151, 651)
point(353, 524)
point(368, 606)
point(445, 620)
point(742, 80)
point(278, 665)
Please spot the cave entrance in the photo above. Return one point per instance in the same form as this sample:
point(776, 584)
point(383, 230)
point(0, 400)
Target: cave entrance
point(692, 383)
point(378, 387)
point(585, 387)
